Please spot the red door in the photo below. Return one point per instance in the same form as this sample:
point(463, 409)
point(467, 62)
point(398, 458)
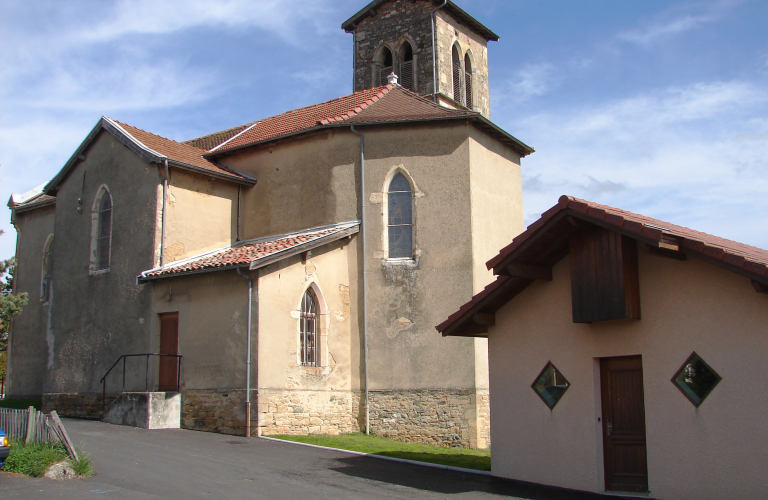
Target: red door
point(169, 344)
point(624, 451)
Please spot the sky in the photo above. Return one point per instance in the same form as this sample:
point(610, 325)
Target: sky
point(657, 107)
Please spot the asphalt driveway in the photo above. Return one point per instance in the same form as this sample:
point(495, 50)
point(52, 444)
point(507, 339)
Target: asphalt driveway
point(140, 464)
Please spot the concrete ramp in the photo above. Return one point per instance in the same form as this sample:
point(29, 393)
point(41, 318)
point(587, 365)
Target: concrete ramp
point(148, 410)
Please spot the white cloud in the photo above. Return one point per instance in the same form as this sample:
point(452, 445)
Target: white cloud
point(531, 81)
point(695, 156)
point(665, 29)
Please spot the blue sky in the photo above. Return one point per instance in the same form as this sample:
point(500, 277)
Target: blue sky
point(656, 107)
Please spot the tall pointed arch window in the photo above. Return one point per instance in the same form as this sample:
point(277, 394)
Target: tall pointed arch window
point(400, 218)
point(387, 65)
point(105, 231)
point(45, 282)
point(406, 67)
point(308, 329)
point(468, 81)
point(457, 74)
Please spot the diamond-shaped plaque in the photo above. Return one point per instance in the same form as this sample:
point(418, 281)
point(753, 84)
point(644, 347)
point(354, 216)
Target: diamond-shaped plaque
point(550, 385)
point(696, 379)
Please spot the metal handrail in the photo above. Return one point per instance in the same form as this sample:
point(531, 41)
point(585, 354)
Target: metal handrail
point(146, 374)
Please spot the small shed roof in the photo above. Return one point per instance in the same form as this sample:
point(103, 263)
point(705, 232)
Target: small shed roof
point(545, 243)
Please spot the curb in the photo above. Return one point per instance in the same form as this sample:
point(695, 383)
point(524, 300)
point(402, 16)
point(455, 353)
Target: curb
point(391, 459)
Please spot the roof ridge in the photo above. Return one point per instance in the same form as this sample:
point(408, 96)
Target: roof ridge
point(434, 104)
point(385, 89)
point(245, 125)
point(156, 135)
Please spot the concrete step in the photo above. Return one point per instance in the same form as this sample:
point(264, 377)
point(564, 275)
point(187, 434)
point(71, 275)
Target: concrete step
point(148, 410)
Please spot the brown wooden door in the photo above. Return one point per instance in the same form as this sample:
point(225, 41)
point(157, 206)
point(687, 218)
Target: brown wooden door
point(169, 344)
point(624, 452)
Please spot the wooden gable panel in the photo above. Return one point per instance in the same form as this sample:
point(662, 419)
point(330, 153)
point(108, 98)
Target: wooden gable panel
point(604, 276)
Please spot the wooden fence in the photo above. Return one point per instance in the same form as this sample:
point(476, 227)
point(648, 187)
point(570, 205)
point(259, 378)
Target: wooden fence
point(32, 426)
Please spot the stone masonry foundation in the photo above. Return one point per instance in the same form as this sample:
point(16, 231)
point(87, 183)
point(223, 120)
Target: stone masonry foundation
point(75, 405)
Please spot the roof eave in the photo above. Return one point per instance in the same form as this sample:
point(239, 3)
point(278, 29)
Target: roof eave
point(261, 262)
point(33, 206)
point(120, 134)
point(350, 25)
point(242, 179)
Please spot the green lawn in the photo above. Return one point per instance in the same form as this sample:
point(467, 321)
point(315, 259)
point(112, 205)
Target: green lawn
point(21, 404)
point(456, 457)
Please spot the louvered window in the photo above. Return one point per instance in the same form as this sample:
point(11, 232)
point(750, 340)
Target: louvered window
point(308, 330)
point(400, 218)
point(457, 76)
point(387, 67)
point(468, 81)
point(406, 75)
point(406, 67)
point(105, 232)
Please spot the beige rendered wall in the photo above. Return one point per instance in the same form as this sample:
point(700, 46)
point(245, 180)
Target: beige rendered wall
point(716, 451)
point(450, 32)
point(302, 183)
point(27, 344)
point(202, 215)
point(331, 272)
point(406, 298)
point(496, 193)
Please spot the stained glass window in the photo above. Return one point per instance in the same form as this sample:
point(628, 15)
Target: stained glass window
point(308, 329)
point(400, 218)
point(696, 379)
point(550, 385)
point(105, 231)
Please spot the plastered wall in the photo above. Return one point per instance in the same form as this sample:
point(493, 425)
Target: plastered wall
point(27, 346)
point(202, 215)
point(715, 451)
point(95, 318)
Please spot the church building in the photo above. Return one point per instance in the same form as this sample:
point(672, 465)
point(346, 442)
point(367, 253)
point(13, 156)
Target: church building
point(283, 276)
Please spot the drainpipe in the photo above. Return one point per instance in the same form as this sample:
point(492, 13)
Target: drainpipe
point(248, 356)
point(162, 223)
point(365, 275)
point(434, 51)
point(239, 191)
point(354, 60)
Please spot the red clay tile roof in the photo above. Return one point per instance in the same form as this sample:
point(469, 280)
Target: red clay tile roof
point(210, 141)
point(254, 252)
point(178, 152)
point(746, 260)
point(390, 103)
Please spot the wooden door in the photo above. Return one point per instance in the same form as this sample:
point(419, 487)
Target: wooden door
point(624, 451)
point(169, 344)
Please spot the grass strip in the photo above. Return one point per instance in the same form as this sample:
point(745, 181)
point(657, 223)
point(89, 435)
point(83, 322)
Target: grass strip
point(33, 459)
point(21, 404)
point(454, 457)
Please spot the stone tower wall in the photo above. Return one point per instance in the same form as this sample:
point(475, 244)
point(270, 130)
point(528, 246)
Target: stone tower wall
point(404, 20)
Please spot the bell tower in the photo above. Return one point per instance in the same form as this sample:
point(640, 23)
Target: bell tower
point(434, 47)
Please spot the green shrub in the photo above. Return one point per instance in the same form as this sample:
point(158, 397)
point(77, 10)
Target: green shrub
point(33, 459)
point(84, 466)
point(21, 404)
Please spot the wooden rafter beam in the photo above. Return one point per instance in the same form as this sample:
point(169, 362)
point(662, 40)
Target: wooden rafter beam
point(760, 287)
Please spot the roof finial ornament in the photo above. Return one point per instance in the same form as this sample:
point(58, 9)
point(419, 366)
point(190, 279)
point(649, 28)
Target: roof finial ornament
point(392, 78)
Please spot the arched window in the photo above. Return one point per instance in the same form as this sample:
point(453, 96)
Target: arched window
point(101, 231)
point(45, 282)
point(468, 81)
point(406, 67)
point(387, 65)
point(457, 75)
point(308, 329)
point(400, 218)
